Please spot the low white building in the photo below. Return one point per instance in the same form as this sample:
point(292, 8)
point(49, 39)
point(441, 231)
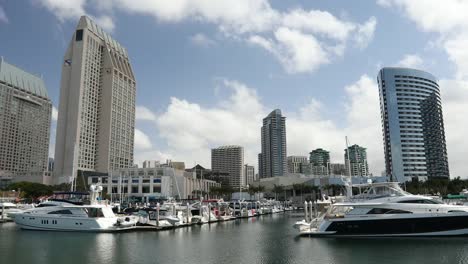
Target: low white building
point(152, 183)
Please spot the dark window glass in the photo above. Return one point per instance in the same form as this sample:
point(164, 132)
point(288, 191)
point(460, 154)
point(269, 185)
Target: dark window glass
point(61, 212)
point(387, 211)
point(79, 35)
point(421, 202)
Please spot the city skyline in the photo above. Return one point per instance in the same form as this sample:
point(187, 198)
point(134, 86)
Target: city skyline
point(182, 99)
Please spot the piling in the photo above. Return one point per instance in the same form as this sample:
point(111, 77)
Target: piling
point(157, 214)
point(311, 210)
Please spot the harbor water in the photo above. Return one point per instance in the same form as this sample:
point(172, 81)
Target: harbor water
point(266, 239)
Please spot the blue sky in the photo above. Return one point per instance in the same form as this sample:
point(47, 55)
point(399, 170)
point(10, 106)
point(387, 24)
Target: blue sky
point(207, 72)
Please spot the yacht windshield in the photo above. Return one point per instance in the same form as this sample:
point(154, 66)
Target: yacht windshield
point(382, 190)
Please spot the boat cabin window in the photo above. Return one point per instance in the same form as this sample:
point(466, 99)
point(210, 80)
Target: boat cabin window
point(338, 211)
point(94, 212)
point(63, 212)
point(422, 201)
point(46, 205)
point(387, 211)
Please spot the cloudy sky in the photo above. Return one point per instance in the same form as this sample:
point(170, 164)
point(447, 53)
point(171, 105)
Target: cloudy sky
point(208, 71)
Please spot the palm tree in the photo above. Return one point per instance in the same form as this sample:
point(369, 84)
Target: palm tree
point(252, 190)
point(277, 189)
point(259, 190)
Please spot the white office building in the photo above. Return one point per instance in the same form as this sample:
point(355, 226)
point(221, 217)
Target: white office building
point(152, 183)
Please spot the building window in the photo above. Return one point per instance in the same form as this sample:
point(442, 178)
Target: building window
point(157, 189)
point(79, 35)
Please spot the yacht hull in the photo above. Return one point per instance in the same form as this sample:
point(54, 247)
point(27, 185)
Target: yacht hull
point(45, 223)
point(433, 225)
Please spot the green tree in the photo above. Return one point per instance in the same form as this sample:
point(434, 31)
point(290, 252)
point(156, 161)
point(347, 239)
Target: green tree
point(31, 190)
point(277, 189)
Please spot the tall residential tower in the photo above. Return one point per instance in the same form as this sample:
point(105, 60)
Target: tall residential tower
point(272, 161)
point(96, 118)
point(356, 161)
point(25, 113)
point(412, 124)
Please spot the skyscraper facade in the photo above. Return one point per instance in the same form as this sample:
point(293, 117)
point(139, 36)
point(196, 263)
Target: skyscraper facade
point(249, 174)
point(25, 114)
point(296, 164)
point(96, 118)
point(412, 124)
point(356, 161)
point(272, 160)
point(319, 162)
point(229, 159)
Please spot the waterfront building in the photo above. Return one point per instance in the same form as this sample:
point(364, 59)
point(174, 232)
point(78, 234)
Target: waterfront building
point(272, 159)
point(178, 165)
point(229, 159)
point(356, 161)
point(296, 164)
point(151, 164)
point(152, 183)
point(337, 169)
point(25, 116)
point(216, 176)
point(319, 161)
point(412, 124)
point(96, 116)
point(249, 174)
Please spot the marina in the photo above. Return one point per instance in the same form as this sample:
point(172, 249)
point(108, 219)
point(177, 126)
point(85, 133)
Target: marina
point(264, 239)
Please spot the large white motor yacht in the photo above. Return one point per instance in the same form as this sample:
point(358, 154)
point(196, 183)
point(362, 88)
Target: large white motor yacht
point(386, 210)
point(97, 217)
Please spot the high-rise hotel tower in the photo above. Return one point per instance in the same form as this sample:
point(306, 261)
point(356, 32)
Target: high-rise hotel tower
point(96, 118)
point(25, 113)
point(412, 124)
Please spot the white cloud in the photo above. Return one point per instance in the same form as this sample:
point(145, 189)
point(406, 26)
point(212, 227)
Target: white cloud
point(448, 19)
point(3, 16)
point(142, 141)
point(411, 61)
point(365, 33)
point(54, 113)
point(433, 15)
point(293, 36)
point(202, 40)
point(454, 97)
point(316, 21)
point(143, 113)
point(299, 52)
point(73, 10)
point(191, 130)
point(106, 22)
point(239, 16)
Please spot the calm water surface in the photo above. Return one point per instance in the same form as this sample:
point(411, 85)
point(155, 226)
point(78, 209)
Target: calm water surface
point(268, 239)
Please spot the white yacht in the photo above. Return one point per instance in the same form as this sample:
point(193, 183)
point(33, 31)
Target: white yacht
point(97, 217)
point(9, 210)
point(386, 210)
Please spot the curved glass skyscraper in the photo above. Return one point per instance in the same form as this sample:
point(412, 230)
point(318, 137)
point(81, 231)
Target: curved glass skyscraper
point(412, 124)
